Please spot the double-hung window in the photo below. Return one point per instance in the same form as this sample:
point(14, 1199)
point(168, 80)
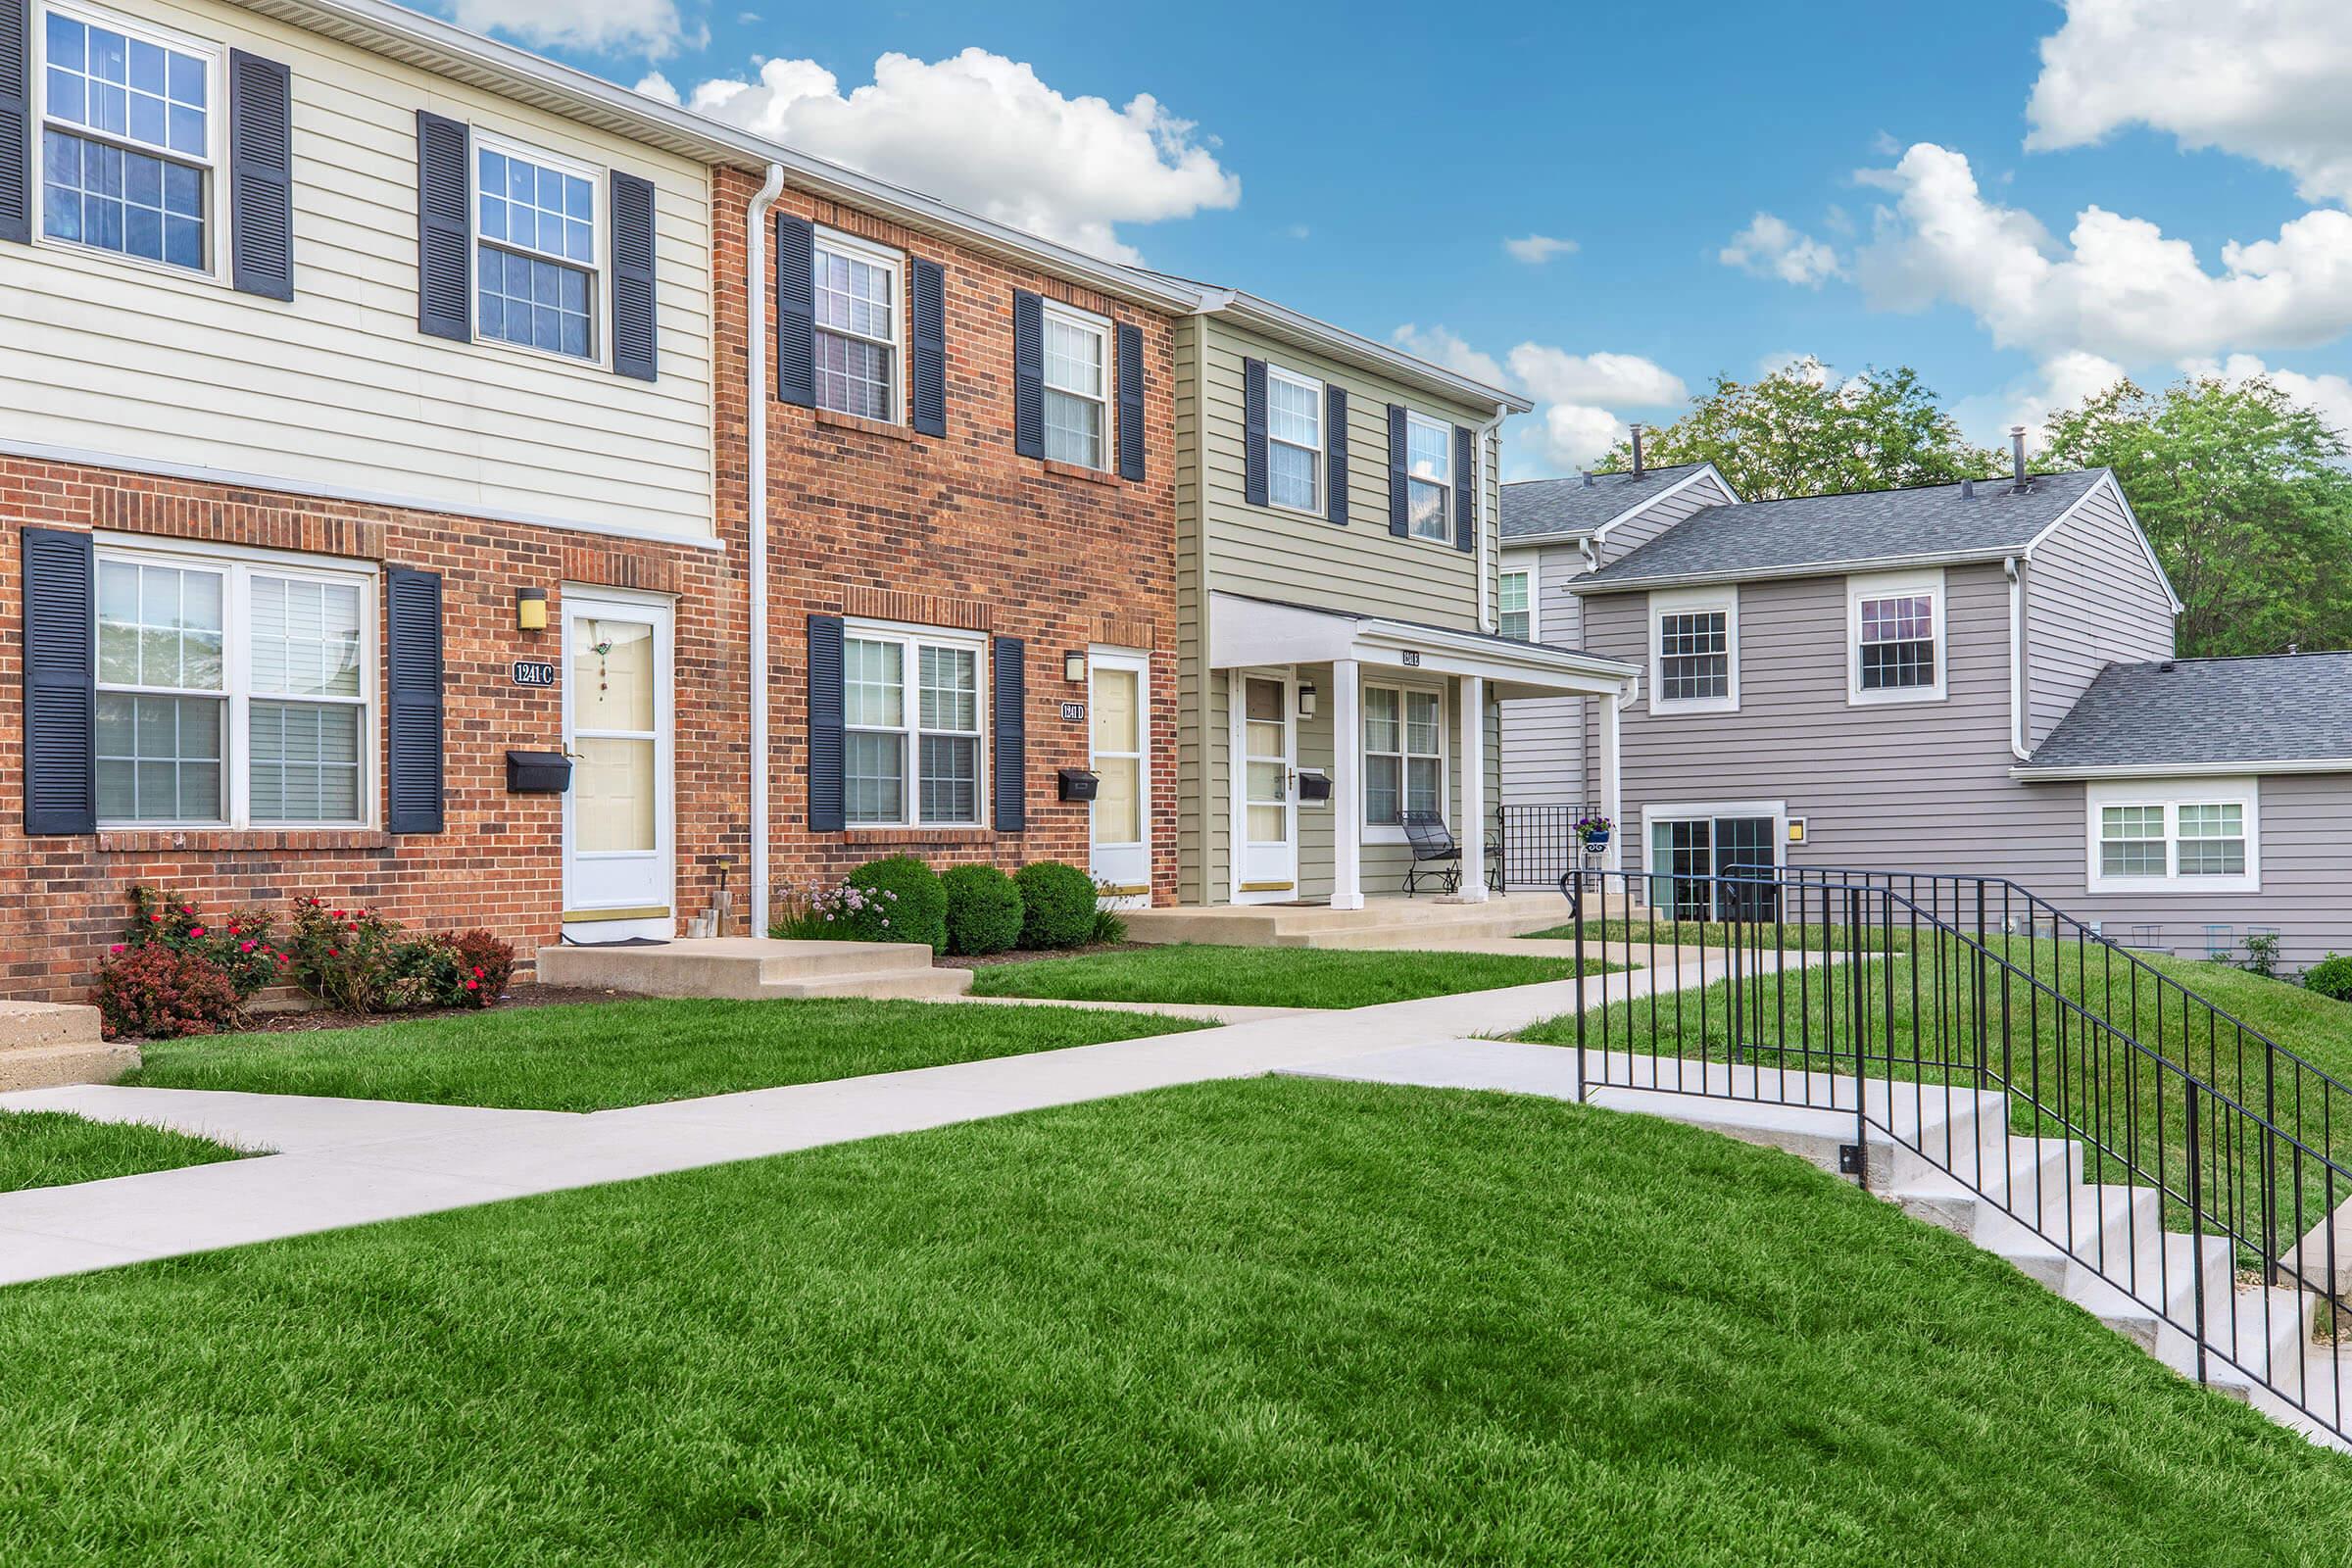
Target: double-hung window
point(232, 690)
point(1695, 651)
point(1405, 754)
point(537, 249)
point(1428, 476)
point(1077, 387)
point(1894, 637)
point(912, 751)
point(1294, 441)
point(857, 328)
point(2202, 837)
point(127, 139)
point(1515, 615)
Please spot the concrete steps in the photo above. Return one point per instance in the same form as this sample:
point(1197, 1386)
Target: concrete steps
point(47, 1043)
point(757, 968)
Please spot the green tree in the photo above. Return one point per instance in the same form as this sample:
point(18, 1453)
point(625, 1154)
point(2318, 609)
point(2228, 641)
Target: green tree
point(2244, 494)
point(1799, 432)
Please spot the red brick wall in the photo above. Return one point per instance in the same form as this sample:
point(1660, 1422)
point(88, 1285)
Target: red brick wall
point(498, 864)
point(956, 532)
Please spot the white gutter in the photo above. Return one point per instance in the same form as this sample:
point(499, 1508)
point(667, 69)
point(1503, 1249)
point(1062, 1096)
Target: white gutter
point(1486, 619)
point(2262, 768)
point(1805, 568)
point(2017, 660)
point(755, 381)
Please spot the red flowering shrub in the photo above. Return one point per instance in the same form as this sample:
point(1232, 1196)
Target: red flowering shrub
point(156, 991)
point(348, 958)
point(240, 945)
point(488, 963)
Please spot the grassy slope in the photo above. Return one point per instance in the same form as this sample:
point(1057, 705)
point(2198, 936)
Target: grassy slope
point(1262, 1323)
point(1264, 977)
point(601, 1056)
point(54, 1149)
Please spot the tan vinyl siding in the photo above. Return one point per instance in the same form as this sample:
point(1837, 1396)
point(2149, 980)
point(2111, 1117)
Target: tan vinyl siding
point(338, 389)
point(2092, 599)
point(1196, 813)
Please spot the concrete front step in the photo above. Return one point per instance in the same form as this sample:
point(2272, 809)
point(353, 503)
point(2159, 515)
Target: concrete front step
point(47, 1044)
point(750, 968)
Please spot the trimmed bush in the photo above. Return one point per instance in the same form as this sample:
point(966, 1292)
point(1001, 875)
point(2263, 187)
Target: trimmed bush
point(1057, 905)
point(2330, 977)
point(904, 903)
point(155, 992)
point(984, 911)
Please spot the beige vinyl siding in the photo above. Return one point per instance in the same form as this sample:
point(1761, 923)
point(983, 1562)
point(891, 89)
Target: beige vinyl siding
point(2092, 599)
point(338, 389)
point(1199, 818)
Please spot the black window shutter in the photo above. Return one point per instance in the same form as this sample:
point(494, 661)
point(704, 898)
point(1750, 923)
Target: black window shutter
point(1253, 432)
point(796, 311)
point(1335, 444)
point(635, 339)
point(1009, 766)
point(261, 176)
point(1028, 375)
point(60, 683)
point(928, 315)
point(1400, 494)
point(1131, 402)
point(16, 120)
point(826, 711)
point(413, 767)
point(1466, 489)
point(444, 237)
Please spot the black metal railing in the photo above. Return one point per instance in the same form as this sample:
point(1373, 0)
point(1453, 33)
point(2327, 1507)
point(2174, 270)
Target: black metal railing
point(1541, 844)
point(2137, 1129)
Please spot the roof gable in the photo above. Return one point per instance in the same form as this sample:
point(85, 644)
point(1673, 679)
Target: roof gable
point(1544, 509)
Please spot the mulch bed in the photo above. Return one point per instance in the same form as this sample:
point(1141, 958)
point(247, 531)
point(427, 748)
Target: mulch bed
point(300, 1020)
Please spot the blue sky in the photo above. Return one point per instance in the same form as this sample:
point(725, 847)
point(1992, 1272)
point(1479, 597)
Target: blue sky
point(1367, 165)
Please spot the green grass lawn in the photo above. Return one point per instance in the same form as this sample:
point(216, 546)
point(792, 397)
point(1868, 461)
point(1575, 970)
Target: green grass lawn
point(56, 1149)
point(1665, 932)
point(600, 1056)
point(1266, 977)
point(1262, 1323)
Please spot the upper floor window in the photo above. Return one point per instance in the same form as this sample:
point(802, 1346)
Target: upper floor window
point(126, 140)
point(1894, 635)
point(911, 711)
point(1294, 440)
point(1429, 468)
point(2200, 838)
point(857, 328)
point(1695, 651)
point(536, 219)
point(1077, 380)
point(1515, 606)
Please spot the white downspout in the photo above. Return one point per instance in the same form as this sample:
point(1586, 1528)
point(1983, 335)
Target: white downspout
point(2017, 660)
point(754, 377)
point(1487, 526)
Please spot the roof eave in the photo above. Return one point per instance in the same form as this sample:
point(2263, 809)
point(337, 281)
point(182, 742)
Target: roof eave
point(1305, 331)
point(1820, 568)
point(2057, 773)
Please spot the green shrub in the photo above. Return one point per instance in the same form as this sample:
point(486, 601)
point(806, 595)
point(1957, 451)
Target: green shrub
point(1057, 905)
point(903, 903)
point(154, 992)
point(1111, 928)
point(984, 910)
point(2331, 977)
point(239, 946)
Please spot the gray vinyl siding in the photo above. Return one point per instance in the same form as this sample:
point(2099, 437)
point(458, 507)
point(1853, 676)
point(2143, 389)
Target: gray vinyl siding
point(2092, 599)
point(1625, 535)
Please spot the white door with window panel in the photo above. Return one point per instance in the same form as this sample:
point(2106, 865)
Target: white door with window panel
point(1265, 750)
point(1119, 709)
point(617, 872)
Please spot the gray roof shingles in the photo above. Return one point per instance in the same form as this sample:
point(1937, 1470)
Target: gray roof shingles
point(1780, 537)
point(2280, 708)
point(1534, 509)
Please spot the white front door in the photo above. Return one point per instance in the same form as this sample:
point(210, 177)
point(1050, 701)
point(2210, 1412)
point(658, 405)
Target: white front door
point(618, 874)
point(1266, 807)
point(1120, 701)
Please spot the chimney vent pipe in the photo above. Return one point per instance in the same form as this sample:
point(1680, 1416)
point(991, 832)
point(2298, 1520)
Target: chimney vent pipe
point(2017, 454)
point(1637, 452)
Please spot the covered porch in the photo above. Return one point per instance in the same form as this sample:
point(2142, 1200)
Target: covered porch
point(1322, 730)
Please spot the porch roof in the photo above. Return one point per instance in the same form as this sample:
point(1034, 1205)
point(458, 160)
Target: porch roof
point(1248, 631)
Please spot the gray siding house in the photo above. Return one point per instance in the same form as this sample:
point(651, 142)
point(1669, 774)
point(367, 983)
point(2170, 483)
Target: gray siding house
point(1964, 678)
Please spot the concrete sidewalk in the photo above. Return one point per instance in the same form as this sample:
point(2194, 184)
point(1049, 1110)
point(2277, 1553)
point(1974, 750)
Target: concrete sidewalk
point(353, 1163)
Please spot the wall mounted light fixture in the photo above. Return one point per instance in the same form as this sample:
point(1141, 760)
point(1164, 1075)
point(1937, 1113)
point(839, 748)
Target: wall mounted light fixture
point(1309, 698)
point(1073, 666)
point(530, 609)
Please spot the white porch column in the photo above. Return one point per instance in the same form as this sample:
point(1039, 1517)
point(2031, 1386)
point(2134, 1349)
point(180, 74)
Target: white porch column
point(1347, 786)
point(1613, 780)
point(1474, 789)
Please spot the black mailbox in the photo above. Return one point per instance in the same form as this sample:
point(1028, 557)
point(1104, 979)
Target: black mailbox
point(1314, 787)
point(1077, 784)
point(538, 772)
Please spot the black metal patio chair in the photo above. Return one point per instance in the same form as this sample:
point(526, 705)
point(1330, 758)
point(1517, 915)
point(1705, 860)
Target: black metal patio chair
point(1437, 854)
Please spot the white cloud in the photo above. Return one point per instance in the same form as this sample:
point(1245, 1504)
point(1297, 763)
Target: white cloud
point(1439, 346)
point(985, 133)
point(2260, 78)
point(2116, 288)
point(1537, 249)
point(1572, 435)
point(656, 85)
point(2061, 381)
point(647, 28)
point(1769, 247)
point(2328, 396)
point(1554, 375)
point(1576, 422)
point(1299, 232)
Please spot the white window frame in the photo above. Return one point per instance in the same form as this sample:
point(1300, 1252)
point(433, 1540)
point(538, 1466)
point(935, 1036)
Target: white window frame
point(911, 640)
point(1321, 450)
point(1099, 326)
point(851, 247)
point(239, 566)
point(1685, 602)
point(1531, 570)
point(599, 272)
point(1444, 429)
point(216, 135)
point(1928, 585)
point(1390, 832)
point(2171, 795)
